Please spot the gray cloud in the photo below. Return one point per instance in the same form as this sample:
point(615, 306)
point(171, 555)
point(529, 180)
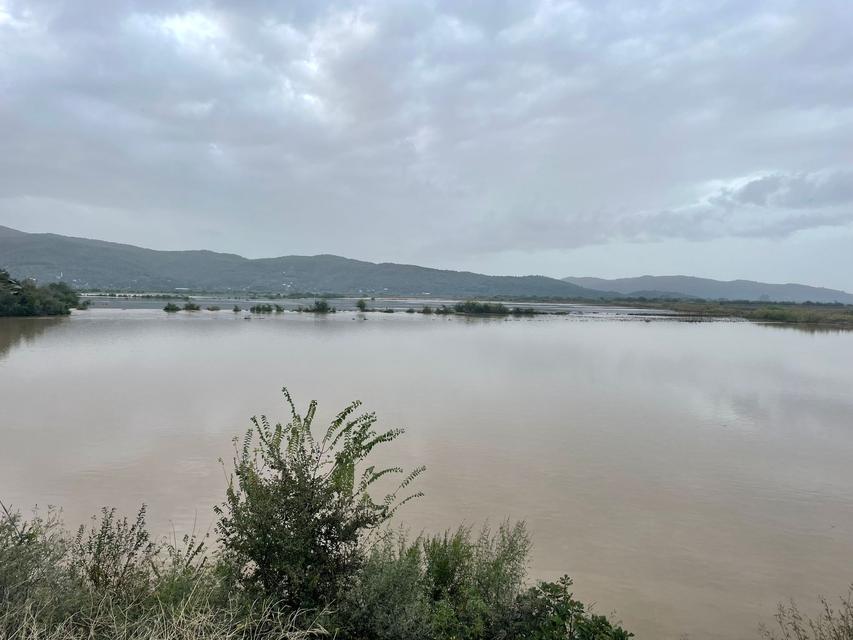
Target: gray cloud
point(426, 131)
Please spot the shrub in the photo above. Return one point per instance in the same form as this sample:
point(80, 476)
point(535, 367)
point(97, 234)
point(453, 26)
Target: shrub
point(480, 308)
point(296, 512)
point(453, 585)
point(213, 307)
point(191, 306)
point(171, 308)
point(361, 305)
point(299, 531)
point(111, 582)
point(829, 624)
point(549, 611)
point(321, 306)
point(25, 298)
point(236, 309)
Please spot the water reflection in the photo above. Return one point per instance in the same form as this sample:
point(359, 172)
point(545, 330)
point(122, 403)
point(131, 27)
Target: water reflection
point(17, 331)
point(688, 475)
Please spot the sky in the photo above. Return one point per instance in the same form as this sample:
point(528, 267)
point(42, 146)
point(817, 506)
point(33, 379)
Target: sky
point(596, 138)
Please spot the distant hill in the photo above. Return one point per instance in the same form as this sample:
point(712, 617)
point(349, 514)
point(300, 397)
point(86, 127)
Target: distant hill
point(106, 265)
point(689, 287)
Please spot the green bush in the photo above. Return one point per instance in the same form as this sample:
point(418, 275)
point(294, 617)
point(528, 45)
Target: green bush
point(191, 306)
point(110, 582)
point(25, 298)
point(549, 611)
point(321, 306)
point(296, 512)
point(302, 550)
point(171, 308)
point(472, 307)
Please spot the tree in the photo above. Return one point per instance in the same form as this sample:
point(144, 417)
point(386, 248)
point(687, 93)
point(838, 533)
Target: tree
point(361, 305)
point(25, 298)
point(297, 511)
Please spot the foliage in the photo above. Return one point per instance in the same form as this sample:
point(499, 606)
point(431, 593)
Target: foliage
point(111, 581)
point(829, 624)
point(261, 308)
point(171, 308)
point(426, 310)
point(473, 307)
point(321, 306)
point(361, 305)
point(454, 585)
point(549, 610)
point(297, 510)
point(236, 308)
point(191, 306)
point(25, 298)
point(213, 307)
point(463, 587)
point(301, 550)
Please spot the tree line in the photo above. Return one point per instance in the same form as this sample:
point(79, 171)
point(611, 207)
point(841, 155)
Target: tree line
point(26, 298)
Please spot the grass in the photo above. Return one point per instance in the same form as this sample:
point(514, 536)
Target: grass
point(807, 314)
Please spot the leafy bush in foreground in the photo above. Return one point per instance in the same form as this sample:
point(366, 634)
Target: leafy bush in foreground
point(297, 511)
point(459, 586)
point(302, 553)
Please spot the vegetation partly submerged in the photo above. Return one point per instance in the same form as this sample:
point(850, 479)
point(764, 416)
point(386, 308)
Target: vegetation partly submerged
point(303, 549)
point(26, 298)
point(838, 316)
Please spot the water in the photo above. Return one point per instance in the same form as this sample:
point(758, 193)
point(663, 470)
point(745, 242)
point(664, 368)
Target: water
point(687, 475)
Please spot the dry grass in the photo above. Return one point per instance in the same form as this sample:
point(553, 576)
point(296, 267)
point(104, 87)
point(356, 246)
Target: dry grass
point(197, 619)
point(833, 622)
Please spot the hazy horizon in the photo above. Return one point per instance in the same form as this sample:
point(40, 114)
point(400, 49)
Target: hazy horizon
point(548, 137)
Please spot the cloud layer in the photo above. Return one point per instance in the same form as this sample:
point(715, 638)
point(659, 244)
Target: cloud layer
point(427, 131)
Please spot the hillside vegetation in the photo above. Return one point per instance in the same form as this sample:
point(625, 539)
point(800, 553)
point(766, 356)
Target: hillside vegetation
point(93, 264)
point(25, 298)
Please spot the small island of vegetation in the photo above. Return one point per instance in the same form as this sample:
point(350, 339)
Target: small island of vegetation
point(25, 298)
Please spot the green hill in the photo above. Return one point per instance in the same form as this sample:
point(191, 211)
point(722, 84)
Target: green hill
point(690, 287)
point(94, 264)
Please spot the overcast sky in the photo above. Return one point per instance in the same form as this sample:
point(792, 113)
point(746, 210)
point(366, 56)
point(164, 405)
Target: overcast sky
point(565, 138)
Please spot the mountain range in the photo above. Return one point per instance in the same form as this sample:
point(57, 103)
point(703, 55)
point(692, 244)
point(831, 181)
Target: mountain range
point(96, 264)
point(690, 287)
